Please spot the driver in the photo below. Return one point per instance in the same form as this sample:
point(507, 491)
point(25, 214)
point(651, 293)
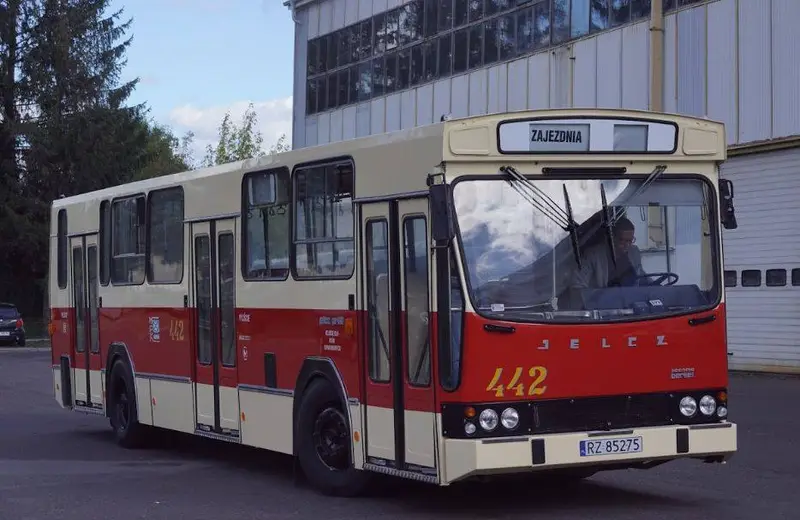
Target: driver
point(598, 269)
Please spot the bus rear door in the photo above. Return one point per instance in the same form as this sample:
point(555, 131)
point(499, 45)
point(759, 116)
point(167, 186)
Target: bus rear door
point(400, 420)
point(86, 340)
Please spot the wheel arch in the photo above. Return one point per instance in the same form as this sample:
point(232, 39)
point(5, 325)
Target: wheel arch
point(320, 368)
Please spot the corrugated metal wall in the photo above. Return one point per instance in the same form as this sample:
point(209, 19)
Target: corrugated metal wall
point(733, 60)
point(764, 314)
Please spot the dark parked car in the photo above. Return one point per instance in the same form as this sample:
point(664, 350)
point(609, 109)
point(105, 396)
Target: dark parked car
point(12, 329)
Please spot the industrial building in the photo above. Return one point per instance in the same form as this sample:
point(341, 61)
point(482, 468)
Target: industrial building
point(372, 66)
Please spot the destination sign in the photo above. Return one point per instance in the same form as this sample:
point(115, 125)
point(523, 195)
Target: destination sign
point(608, 135)
point(565, 138)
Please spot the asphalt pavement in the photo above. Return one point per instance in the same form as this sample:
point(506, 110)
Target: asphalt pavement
point(59, 464)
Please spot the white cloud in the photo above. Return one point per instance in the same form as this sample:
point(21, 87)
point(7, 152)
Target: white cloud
point(274, 119)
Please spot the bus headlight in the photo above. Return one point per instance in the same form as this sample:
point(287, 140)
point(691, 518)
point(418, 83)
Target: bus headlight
point(509, 418)
point(707, 405)
point(688, 406)
point(488, 419)
point(469, 428)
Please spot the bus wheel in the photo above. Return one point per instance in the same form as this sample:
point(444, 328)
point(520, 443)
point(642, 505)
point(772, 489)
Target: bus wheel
point(122, 407)
point(324, 443)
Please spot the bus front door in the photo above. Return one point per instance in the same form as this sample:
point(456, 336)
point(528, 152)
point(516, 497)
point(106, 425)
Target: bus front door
point(216, 377)
point(87, 379)
point(395, 289)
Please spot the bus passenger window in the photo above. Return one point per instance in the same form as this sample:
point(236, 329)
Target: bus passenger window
point(415, 274)
point(324, 221)
point(266, 225)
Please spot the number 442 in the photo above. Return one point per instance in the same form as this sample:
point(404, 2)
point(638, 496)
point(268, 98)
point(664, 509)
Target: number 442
point(516, 384)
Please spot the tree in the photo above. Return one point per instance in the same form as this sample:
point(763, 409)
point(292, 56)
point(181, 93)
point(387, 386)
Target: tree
point(237, 143)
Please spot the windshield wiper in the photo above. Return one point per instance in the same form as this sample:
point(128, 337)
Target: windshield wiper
point(607, 224)
point(655, 174)
point(548, 207)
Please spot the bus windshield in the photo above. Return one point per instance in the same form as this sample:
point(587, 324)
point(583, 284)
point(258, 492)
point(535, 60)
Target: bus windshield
point(621, 248)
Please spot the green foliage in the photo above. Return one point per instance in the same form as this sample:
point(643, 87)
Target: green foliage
point(240, 142)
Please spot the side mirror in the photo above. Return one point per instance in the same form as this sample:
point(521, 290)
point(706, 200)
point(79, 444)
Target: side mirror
point(726, 209)
point(441, 207)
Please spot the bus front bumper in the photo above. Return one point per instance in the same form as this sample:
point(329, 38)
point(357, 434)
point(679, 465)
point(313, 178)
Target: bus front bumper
point(634, 447)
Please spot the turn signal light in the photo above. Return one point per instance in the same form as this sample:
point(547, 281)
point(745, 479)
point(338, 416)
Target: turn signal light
point(51, 329)
point(469, 412)
point(348, 326)
point(722, 396)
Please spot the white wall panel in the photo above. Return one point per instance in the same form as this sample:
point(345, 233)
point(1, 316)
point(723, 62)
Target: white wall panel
point(379, 6)
point(670, 64)
point(560, 84)
point(312, 132)
point(392, 113)
point(441, 99)
point(636, 66)
point(498, 88)
point(755, 71)
point(408, 109)
point(336, 125)
point(518, 85)
point(299, 81)
point(325, 17)
point(313, 21)
point(364, 9)
point(539, 81)
point(339, 7)
point(324, 128)
point(362, 120)
point(692, 61)
point(349, 122)
point(584, 80)
point(722, 65)
point(377, 116)
point(459, 98)
point(478, 92)
point(425, 105)
point(785, 68)
point(609, 67)
point(350, 12)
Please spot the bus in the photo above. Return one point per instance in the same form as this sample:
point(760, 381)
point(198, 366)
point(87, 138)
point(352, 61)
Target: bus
point(521, 292)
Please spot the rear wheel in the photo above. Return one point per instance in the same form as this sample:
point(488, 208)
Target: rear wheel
point(122, 407)
point(323, 439)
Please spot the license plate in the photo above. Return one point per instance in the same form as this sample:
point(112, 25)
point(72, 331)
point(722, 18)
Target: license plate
point(592, 447)
point(5, 333)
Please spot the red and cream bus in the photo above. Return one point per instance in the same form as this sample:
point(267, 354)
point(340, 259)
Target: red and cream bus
point(516, 292)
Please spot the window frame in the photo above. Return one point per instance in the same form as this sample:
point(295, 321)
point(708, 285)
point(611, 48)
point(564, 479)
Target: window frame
point(114, 201)
point(63, 250)
point(105, 232)
point(294, 243)
point(147, 232)
point(245, 207)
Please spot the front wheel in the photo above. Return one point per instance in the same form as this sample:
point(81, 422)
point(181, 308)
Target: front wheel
point(323, 439)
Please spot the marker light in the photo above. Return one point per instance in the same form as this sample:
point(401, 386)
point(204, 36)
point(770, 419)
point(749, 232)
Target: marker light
point(488, 419)
point(688, 406)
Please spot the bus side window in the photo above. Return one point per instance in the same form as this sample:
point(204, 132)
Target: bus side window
point(453, 372)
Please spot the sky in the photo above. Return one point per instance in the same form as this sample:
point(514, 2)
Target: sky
point(197, 59)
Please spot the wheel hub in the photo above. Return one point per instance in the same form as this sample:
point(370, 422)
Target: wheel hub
point(331, 439)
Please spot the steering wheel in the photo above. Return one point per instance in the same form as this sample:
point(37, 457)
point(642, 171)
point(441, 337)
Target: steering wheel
point(661, 278)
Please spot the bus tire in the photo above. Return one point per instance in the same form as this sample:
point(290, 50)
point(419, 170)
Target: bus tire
point(323, 443)
point(123, 414)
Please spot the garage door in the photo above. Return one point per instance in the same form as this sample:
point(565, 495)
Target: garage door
point(762, 261)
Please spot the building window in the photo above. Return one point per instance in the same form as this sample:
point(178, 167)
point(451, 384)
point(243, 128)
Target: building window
point(128, 241)
point(165, 236)
point(795, 277)
point(265, 244)
point(323, 224)
point(457, 36)
point(751, 278)
point(775, 277)
point(730, 278)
